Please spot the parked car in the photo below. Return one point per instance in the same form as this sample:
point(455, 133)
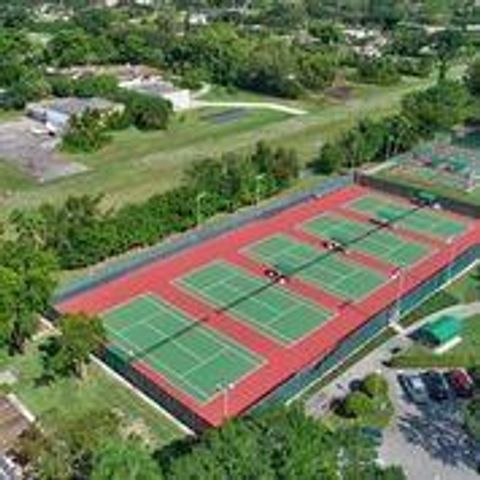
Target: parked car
point(461, 383)
point(437, 386)
point(414, 387)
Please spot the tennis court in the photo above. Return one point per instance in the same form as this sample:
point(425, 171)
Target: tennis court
point(269, 308)
point(410, 218)
point(193, 357)
point(321, 268)
point(384, 245)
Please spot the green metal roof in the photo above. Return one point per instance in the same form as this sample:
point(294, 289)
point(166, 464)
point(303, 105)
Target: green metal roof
point(444, 329)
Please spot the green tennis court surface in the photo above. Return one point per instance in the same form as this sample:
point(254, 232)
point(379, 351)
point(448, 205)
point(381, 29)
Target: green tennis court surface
point(423, 221)
point(270, 309)
point(193, 357)
point(321, 268)
point(381, 244)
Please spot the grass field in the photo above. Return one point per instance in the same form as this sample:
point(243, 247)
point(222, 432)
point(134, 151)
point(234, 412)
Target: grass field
point(136, 164)
point(466, 354)
point(98, 390)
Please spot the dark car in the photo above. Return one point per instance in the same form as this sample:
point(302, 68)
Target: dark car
point(437, 386)
point(461, 383)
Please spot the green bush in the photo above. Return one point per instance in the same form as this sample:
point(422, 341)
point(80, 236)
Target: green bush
point(374, 385)
point(356, 405)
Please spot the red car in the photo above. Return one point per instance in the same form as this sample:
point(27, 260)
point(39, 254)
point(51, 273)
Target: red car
point(461, 383)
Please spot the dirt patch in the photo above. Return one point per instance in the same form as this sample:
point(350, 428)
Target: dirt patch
point(339, 92)
point(26, 144)
point(12, 424)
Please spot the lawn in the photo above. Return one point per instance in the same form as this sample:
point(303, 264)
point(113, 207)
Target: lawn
point(96, 391)
point(466, 354)
point(136, 165)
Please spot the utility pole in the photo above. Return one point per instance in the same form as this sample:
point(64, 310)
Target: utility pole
point(198, 201)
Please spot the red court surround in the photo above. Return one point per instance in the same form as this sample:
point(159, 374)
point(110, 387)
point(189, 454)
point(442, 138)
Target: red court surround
point(281, 361)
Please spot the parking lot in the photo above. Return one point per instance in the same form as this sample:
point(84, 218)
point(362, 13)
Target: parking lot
point(25, 144)
point(428, 440)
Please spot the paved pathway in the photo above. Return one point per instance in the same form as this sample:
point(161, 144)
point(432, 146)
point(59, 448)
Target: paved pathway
point(252, 105)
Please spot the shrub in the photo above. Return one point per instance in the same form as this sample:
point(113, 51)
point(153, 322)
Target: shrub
point(374, 385)
point(357, 404)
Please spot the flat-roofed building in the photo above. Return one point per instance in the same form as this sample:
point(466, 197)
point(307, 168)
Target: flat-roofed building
point(56, 114)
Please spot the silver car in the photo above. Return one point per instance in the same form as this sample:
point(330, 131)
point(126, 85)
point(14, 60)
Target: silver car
point(414, 387)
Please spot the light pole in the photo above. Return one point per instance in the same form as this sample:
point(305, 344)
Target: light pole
point(225, 389)
point(398, 275)
point(198, 201)
point(451, 243)
point(258, 179)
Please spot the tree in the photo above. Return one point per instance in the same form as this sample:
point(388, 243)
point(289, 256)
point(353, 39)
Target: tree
point(124, 460)
point(472, 78)
point(316, 71)
point(327, 32)
point(356, 405)
point(80, 336)
point(86, 133)
point(436, 109)
point(446, 44)
point(374, 385)
point(329, 159)
point(285, 14)
point(70, 47)
point(64, 448)
point(27, 278)
point(10, 285)
point(272, 69)
point(472, 417)
point(278, 444)
point(147, 112)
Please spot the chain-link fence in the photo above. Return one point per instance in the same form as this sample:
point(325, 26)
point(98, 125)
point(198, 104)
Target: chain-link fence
point(314, 372)
point(197, 236)
point(409, 191)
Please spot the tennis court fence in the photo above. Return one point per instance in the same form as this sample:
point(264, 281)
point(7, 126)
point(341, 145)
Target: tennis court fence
point(313, 372)
point(373, 327)
point(121, 365)
point(167, 248)
point(408, 191)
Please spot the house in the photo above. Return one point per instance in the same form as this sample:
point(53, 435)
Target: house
point(180, 98)
point(56, 114)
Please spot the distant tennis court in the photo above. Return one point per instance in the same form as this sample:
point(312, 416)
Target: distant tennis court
point(379, 243)
point(193, 357)
point(321, 268)
point(271, 309)
point(420, 220)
